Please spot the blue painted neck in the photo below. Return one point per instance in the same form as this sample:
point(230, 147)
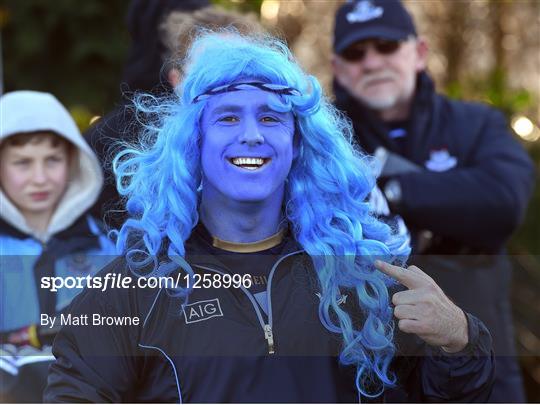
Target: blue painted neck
point(241, 222)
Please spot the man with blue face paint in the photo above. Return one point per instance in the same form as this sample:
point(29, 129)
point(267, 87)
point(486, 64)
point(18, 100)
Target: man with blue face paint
point(246, 155)
point(250, 172)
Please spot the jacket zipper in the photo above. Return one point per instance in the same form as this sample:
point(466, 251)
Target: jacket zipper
point(269, 336)
point(266, 327)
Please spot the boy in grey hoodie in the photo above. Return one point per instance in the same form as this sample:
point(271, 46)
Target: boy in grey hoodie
point(49, 177)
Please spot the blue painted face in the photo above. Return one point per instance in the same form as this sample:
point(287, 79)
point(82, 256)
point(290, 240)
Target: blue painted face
point(247, 148)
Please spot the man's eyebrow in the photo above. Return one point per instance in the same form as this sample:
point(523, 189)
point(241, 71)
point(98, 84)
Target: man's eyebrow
point(266, 108)
point(226, 108)
point(235, 108)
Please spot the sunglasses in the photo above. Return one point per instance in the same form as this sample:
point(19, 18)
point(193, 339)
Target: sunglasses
point(357, 52)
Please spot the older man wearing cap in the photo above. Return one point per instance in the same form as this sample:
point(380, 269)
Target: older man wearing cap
point(449, 168)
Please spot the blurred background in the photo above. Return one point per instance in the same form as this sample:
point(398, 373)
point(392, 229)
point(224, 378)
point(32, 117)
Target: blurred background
point(485, 50)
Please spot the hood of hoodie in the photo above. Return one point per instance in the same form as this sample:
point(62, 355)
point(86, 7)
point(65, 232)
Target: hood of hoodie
point(32, 111)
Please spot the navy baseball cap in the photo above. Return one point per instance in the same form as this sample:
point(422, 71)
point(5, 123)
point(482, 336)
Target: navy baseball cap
point(371, 19)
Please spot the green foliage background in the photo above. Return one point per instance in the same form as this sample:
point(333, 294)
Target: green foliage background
point(74, 50)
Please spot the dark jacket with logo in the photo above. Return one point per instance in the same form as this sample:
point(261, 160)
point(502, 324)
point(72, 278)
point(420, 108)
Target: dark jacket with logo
point(223, 347)
point(471, 194)
point(472, 207)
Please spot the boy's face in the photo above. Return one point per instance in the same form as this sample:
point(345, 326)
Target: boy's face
point(247, 148)
point(34, 176)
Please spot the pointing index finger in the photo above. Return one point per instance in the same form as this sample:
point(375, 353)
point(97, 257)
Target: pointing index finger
point(408, 278)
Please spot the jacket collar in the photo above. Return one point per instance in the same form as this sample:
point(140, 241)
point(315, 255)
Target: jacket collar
point(200, 249)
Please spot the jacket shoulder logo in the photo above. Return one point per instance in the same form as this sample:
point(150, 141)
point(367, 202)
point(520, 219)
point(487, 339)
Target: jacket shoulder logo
point(364, 11)
point(202, 310)
point(440, 161)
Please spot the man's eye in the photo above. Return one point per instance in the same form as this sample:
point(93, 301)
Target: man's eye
point(229, 118)
point(269, 119)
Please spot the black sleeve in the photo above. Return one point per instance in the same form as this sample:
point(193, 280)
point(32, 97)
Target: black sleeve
point(95, 363)
point(480, 203)
point(436, 376)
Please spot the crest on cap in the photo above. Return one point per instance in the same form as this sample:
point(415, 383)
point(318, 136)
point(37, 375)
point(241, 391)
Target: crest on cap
point(364, 11)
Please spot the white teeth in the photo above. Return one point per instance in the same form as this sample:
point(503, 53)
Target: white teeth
point(239, 161)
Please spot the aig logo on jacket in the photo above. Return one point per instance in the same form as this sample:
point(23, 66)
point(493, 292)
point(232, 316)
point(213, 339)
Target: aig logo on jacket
point(202, 310)
point(440, 161)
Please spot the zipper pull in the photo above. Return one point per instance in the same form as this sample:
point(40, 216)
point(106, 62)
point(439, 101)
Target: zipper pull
point(269, 336)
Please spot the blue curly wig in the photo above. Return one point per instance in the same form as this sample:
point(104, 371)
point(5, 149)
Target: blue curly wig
point(325, 193)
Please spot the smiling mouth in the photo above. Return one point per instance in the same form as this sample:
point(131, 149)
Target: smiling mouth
point(249, 163)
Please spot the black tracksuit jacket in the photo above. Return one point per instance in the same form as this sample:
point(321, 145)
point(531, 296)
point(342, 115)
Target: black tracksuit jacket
point(224, 355)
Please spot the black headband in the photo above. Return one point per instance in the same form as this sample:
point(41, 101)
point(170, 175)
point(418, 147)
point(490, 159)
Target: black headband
point(272, 88)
